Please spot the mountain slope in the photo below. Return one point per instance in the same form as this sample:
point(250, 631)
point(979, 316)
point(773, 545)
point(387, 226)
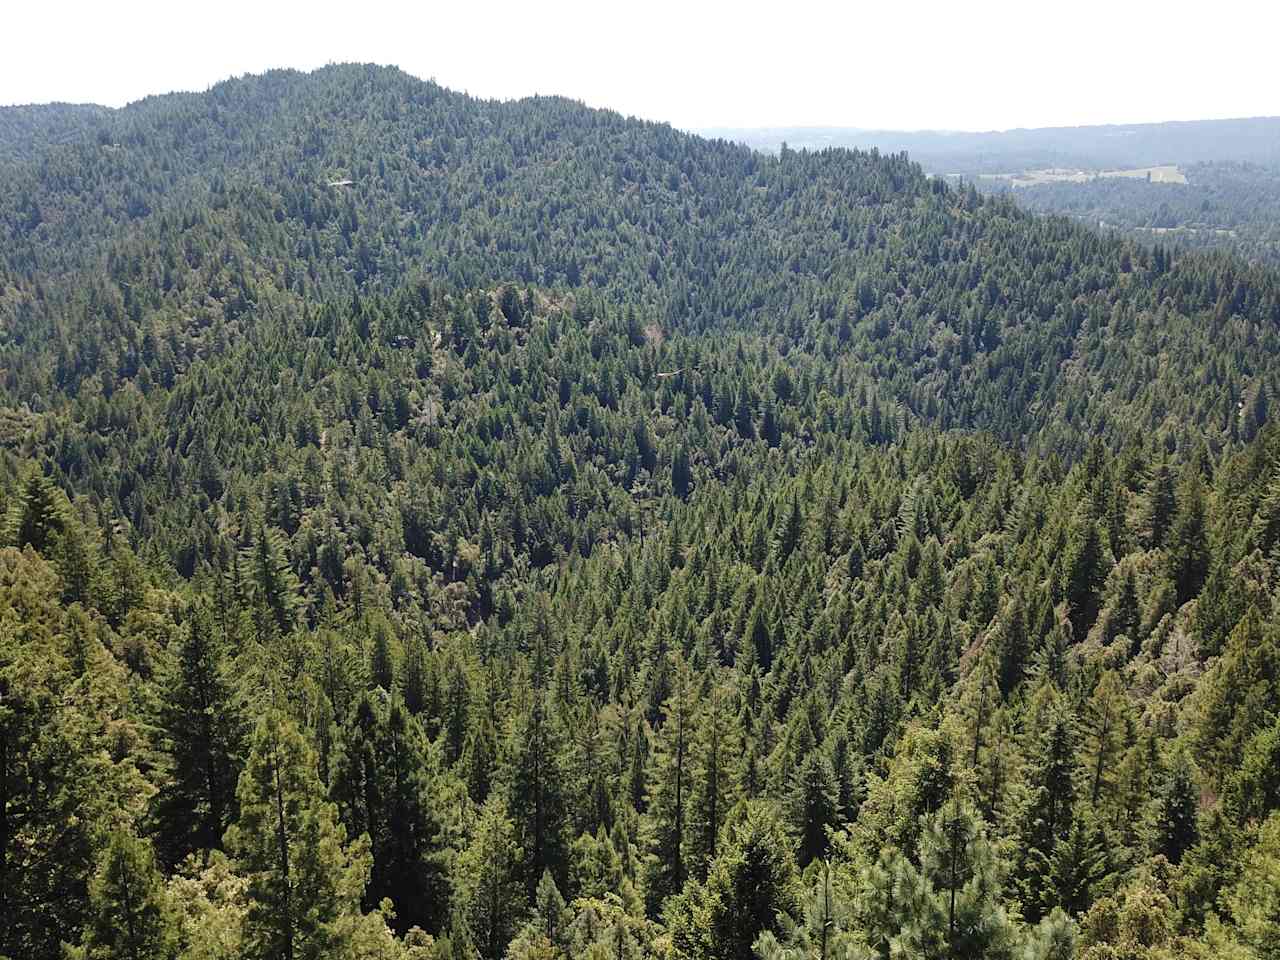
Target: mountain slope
point(972, 314)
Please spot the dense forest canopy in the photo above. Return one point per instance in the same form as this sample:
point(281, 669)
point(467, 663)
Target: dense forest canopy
point(440, 528)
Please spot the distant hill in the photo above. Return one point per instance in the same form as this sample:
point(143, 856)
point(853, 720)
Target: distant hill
point(27, 130)
point(1254, 140)
point(147, 236)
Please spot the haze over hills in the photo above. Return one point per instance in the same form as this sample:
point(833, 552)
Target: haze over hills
point(1251, 140)
point(449, 528)
point(1203, 185)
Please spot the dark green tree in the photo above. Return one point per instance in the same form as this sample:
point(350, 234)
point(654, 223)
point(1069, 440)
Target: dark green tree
point(204, 732)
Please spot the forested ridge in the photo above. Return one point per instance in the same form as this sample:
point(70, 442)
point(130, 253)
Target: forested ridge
point(571, 537)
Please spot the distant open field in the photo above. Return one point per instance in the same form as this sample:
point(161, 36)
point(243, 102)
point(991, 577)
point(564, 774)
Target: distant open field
point(1169, 173)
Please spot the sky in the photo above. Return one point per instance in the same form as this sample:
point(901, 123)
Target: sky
point(891, 64)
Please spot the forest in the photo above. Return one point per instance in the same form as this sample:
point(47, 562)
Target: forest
point(1223, 206)
point(451, 529)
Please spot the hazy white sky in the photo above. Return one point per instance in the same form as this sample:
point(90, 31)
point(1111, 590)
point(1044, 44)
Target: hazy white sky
point(984, 64)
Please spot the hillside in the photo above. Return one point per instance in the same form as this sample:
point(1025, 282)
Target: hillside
point(1202, 185)
point(965, 312)
point(447, 529)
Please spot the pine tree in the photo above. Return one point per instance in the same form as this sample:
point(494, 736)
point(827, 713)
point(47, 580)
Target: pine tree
point(1187, 545)
point(716, 744)
point(669, 789)
point(274, 583)
point(550, 915)
point(381, 666)
point(385, 786)
point(1078, 863)
point(743, 416)
point(1105, 722)
point(1157, 507)
point(130, 917)
point(827, 932)
point(948, 904)
point(1126, 615)
point(1084, 573)
point(812, 806)
point(492, 893)
point(204, 734)
point(681, 475)
point(1054, 938)
point(759, 639)
point(1179, 804)
point(960, 877)
point(39, 516)
point(304, 880)
point(752, 887)
point(1048, 797)
point(537, 801)
point(789, 533)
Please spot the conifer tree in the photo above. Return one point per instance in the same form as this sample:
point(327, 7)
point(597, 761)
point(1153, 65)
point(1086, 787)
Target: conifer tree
point(681, 474)
point(752, 888)
point(381, 666)
point(827, 931)
point(1157, 507)
point(305, 880)
point(492, 894)
point(1179, 805)
point(1126, 614)
point(1105, 722)
point(130, 917)
point(275, 585)
point(204, 733)
point(537, 800)
point(715, 747)
point(1187, 547)
point(1048, 794)
point(385, 787)
point(812, 806)
point(38, 516)
point(1084, 573)
point(669, 789)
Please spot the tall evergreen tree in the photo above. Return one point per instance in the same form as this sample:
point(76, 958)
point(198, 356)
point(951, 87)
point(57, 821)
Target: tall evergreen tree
point(492, 895)
point(38, 516)
point(715, 748)
point(537, 800)
point(204, 733)
point(385, 786)
point(305, 880)
point(752, 888)
point(669, 789)
point(130, 914)
point(812, 803)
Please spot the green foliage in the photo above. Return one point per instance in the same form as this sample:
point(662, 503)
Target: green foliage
point(492, 894)
point(304, 880)
point(599, 524)
point(202, 727)
point(130, 917)
point(752, 888)
point(387, 789)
